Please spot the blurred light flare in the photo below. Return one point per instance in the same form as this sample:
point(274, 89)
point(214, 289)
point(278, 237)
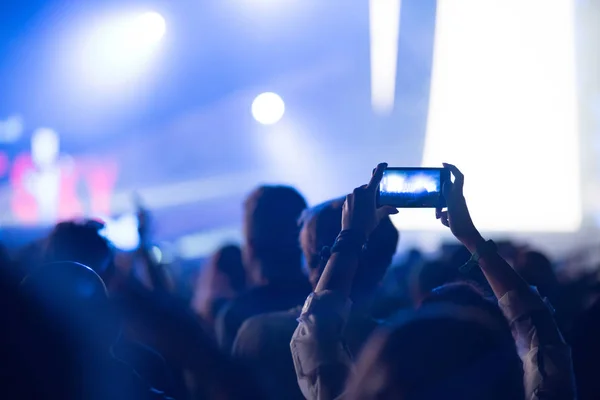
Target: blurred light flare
point(11, 129)
point(268, 108)
point(122, 231)
point(157, 254)
point(148, 28)
point(117, 49)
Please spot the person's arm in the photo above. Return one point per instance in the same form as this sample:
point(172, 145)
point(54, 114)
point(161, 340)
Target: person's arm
point(159, 279)
point(321, 360)
point(546, 357)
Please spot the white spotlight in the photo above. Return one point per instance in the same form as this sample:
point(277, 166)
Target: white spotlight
point(118, 49)
point(149, 28)
point(268, 108)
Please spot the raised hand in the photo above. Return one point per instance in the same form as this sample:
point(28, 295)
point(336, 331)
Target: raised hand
point(457, 217)
point(360, 213)
point(360, 216)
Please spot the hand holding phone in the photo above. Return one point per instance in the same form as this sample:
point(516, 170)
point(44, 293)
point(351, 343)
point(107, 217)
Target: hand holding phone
point(360, 212)
point(412, 187)
point(457, 217)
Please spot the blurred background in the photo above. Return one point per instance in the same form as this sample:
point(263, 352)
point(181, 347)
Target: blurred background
point(185, 106)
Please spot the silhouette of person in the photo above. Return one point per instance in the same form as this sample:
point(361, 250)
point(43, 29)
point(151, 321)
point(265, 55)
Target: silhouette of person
point(44, 185)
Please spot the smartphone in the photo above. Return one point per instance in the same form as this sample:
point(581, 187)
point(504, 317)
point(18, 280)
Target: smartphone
point(412, 187)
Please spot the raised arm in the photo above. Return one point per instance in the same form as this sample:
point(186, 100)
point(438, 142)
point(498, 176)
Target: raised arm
point(320, 357)
point(501, 277)
point(360, 216)
point(546, 358)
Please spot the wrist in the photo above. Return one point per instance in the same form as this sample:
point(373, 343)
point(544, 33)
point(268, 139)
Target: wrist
point(482, 250)
point(348, 241)
point(472, 241)
point(355, 233)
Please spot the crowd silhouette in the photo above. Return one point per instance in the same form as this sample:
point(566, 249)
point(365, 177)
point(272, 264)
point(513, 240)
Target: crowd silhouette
point(311, 305)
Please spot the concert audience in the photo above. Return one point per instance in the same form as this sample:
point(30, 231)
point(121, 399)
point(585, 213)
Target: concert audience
point(272, 260)
point(442, 351)
point(263, 341)
point(452, 330)
point(73, 310)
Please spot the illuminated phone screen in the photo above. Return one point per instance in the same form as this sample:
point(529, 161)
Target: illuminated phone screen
point(412, 187)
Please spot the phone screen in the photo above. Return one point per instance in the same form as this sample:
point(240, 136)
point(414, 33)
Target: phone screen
point(412, 187)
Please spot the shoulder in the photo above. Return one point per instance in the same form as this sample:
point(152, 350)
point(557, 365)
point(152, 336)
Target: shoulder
point(266, 331)
point(255, 301)
point(272, 321)
point(244, 302)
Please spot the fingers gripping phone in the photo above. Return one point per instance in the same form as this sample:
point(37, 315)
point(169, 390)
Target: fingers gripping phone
point(412, 187)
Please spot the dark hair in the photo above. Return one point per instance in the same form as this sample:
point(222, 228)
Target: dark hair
point(434, 274)
point(468, 295)
point(446, 270)
point(37, 359)
point(79, 242)
point(228, 261)
point(221, 279)
point(76, 299)
point(321, 225)
point(65, 285)
point(271, 229)
point(442, 350)
point(537, 270)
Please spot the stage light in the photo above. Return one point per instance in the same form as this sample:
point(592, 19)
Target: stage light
point(384, 26)
point(11, 129)
point(117, 49)
point(268, 108)
point(148, 28)
point(503, 108)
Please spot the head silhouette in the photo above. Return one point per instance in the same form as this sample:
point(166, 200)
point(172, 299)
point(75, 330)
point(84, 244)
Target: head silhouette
point(442, 350)
point(222, 279)
point(271, 249)
point(75, 299)
point(321, 225)
point(537, 270)
point(81, 242)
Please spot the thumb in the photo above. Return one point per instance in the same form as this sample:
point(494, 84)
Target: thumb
point(446, 189)
point(384, 211)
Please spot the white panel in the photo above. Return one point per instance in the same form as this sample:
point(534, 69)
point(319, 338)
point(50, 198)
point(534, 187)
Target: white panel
point(503, 108)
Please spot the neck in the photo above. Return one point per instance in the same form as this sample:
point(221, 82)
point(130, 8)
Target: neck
point(284, 272)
